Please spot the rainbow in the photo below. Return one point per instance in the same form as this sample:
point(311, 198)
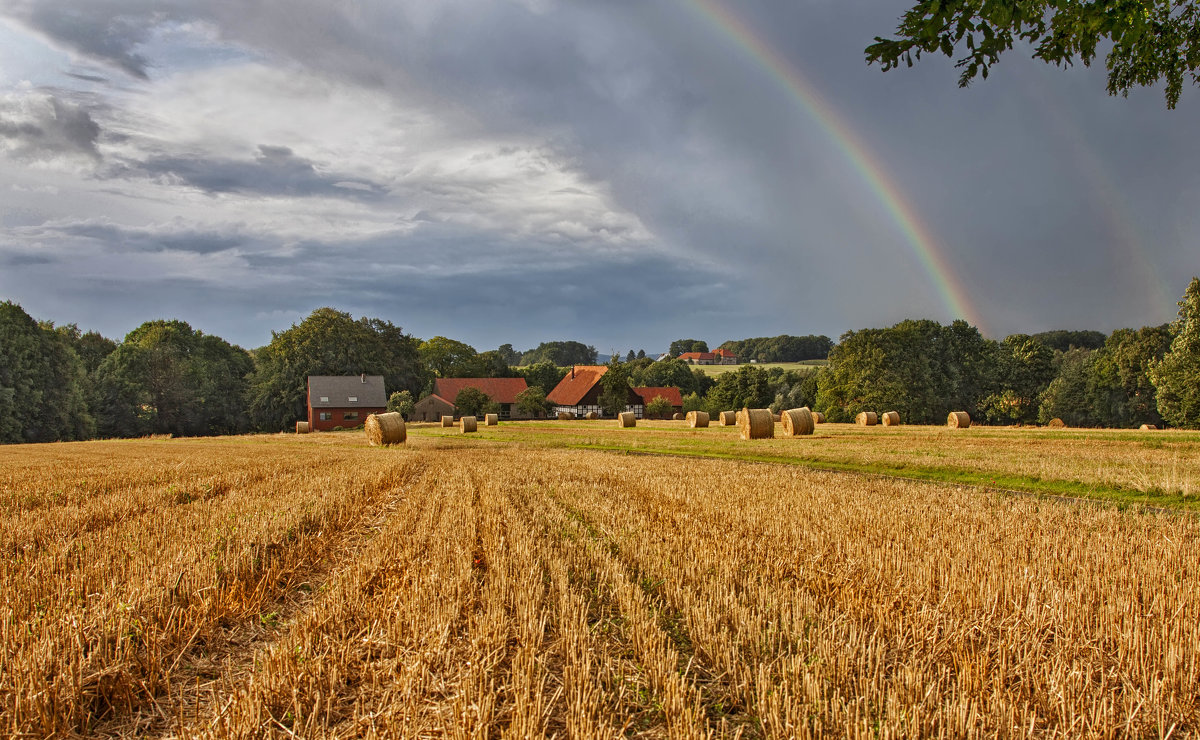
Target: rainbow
point(925, 246)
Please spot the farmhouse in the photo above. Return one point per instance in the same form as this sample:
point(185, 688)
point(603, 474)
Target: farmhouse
point(699, 358)
point(579, 393)
point(445, 390)
point(431, 408)
point(344, 400)
point(648, 394)
point(725, 357)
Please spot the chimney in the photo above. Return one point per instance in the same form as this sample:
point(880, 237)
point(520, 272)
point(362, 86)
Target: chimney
point(572, 372)
point(363, 377)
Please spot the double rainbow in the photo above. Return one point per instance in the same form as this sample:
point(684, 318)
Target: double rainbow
point(925, 246)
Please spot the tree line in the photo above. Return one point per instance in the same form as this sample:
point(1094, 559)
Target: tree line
point(58, 383)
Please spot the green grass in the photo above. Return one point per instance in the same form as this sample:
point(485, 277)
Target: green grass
point(714, 370)
point(982, 456)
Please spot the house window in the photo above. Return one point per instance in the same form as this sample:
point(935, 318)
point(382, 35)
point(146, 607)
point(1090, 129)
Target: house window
point(353, 399)
point(324, 399)
point(325, 416)
point(350, 415)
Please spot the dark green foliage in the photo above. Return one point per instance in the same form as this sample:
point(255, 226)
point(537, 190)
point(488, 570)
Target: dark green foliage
point(746, 387)
point(920, 368)
point(532, 401)
point(664, 374)
point(614, 396)
point(329, 342)
point(509, 355)
point(658, 408)
point(401, 402)
point(1063, 340)
point(783, 348)
point(1024, 368)
point(631, 356)
point(1120, 392)
point(1177, 376)
point(1148, 41)
point(1066, 396)
point(167, 378)
point(43, 383)
point(545, 375)
point(561, 353)
point(793, 388)
point(641, 354)
point(471, 402)
point(679, 346)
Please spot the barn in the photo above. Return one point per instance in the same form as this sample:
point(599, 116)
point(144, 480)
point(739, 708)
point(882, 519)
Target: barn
point(344, 400)
point(431, 408)
point(579, 393)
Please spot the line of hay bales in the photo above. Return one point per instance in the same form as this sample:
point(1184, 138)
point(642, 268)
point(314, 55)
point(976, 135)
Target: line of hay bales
point(385, 429)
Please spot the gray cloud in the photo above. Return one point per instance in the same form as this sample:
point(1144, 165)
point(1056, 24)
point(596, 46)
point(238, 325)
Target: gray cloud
point(629, 152)
point(44, 126)
point(275, 171)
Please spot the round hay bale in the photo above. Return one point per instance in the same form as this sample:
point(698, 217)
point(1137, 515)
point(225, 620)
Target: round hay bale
point(891, 418)
point(958, 420)
point(697, 419)
point(1056, 423)
point(302, 427)
point(1148, 427)
point(385, 429)
point(468, 424)
point(447, 421)
point(797, 422)
point(757, 423)
point(867, 419)
point(592, 415)
point(491, 420)
point(677, 417)
point(818, 417)
point(728, 418)
point(626, 419)
point(565, 416)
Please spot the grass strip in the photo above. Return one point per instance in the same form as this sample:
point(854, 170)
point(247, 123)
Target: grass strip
point(1123, 498)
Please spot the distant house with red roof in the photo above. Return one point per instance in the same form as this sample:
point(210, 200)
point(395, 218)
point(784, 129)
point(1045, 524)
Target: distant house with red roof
point(699, 358)
point(579, 393)
point(445, 391)
point(725, 357)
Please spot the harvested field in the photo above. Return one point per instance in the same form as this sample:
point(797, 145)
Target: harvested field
point(317, 587)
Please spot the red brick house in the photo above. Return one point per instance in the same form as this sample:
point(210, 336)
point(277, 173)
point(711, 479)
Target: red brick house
point(699, 358)
point(445, 390)
point(344, 400)
point(579, 393)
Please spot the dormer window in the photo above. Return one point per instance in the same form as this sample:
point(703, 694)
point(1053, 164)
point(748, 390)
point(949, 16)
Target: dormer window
point(353, 399)
point(324, 399)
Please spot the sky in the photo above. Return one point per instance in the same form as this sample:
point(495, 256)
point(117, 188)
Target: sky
point(621, 173)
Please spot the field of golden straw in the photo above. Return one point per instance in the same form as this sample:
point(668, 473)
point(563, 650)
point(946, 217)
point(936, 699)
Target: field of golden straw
point(532, 580)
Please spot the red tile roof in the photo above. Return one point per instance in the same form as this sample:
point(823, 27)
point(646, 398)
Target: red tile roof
point(669, 393)
point(576, 385)
point(723, 353)
point(697, 356)
point(500, 390)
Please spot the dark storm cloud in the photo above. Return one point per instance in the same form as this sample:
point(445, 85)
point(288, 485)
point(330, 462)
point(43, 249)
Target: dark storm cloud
point(1039, 193)
point(47, 127)
point(106, 238)
point(275, 172)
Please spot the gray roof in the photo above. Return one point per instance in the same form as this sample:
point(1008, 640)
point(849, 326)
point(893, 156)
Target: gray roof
point(339, 389)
